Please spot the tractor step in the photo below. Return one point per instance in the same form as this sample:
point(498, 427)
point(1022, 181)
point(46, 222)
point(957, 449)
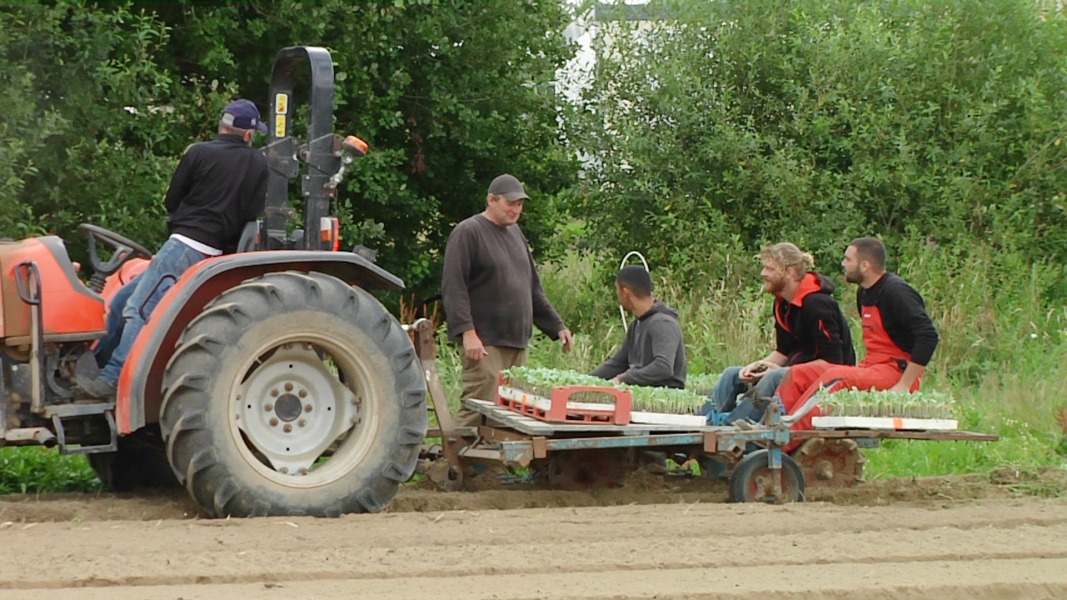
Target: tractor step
point(64, 413)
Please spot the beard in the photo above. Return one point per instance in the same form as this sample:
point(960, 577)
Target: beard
point(774, 286)
point(853, 276)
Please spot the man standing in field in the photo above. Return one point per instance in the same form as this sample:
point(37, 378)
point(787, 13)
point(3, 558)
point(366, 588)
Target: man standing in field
point(652, 352)
point(808, 325)
point(492, 294)
point(898, 336)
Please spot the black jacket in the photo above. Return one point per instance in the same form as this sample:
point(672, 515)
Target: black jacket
point(218, 187)
point(811, 326)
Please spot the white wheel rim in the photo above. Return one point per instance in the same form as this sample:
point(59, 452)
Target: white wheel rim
point(293, 418)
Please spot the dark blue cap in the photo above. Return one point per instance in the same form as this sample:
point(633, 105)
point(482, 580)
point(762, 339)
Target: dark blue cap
point(242, 114)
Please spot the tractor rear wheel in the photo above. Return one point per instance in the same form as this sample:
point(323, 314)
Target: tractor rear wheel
point(293, 394)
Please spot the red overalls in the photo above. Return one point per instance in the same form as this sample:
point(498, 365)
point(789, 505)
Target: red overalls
point(880, 370)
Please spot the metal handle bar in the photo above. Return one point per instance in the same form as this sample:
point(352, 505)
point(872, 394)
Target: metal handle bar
point(622, 313)
point(24, 270)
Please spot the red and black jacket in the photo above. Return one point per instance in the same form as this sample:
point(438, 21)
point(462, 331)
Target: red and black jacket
point(811, 326)
point(895, 322)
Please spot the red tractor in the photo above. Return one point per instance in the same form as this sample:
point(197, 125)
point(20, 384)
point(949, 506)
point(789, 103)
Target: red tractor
point(267, 381)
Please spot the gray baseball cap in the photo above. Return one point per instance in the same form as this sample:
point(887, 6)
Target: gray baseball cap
point(509, 187)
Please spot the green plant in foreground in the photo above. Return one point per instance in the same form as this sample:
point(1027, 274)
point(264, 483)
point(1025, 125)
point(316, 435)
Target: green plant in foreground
point(1019, 447)
point(1018, 410)
point(36, 469)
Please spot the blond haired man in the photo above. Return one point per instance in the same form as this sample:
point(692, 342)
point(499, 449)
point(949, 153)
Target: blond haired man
point(808, 324)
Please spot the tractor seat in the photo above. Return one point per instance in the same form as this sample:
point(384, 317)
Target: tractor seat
point(71, 311)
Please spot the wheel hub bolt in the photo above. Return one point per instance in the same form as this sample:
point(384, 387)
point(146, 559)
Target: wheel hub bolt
point(287, 428)
point(302, 393)
point(302, 423)
point(308, 408)
point(268, 407)
point(273, 422)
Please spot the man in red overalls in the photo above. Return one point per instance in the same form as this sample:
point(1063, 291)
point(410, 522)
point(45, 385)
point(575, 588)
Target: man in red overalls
point(897, 333)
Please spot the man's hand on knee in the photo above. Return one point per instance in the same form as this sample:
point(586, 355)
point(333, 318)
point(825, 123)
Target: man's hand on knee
point(752, 372)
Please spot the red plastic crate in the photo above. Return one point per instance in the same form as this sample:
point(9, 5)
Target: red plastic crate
point(560, 409)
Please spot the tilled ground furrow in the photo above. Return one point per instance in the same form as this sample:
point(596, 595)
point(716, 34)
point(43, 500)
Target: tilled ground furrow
point(1034, 579)
point(219, 552)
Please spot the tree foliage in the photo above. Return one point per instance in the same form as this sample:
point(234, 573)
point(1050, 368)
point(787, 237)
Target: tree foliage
point(725, 125)
point(449, 94)
point(706, 131)
point(96, 125)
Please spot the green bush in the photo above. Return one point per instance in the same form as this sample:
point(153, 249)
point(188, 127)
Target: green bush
point(725, 125)
point(102, 97)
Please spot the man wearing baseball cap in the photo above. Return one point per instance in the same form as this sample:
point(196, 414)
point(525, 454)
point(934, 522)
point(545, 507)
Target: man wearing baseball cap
point(218, 187)
point(492, 294)
point(242, 115)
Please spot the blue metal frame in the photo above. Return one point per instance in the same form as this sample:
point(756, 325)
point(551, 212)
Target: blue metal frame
point(522, 452)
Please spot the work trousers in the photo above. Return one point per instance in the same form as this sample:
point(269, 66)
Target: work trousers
point(166, 267)
point(480, 378)
point(804, 380)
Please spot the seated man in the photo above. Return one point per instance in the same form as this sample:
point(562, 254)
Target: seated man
point(217, 187)
point(808, 325)
point(898, 335)
point(652, 352)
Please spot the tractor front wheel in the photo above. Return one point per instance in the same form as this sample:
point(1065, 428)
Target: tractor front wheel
point(293, 394)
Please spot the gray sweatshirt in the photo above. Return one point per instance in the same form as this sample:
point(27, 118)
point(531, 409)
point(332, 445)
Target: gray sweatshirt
point(490, 284)
point(652, 353)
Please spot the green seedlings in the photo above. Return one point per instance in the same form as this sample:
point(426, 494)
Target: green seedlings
point(701, 385)
point(541, 381)
point(876, 403)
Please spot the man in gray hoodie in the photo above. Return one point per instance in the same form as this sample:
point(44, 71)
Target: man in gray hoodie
point(652, 352)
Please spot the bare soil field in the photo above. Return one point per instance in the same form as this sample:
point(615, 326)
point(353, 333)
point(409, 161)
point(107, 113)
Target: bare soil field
point(975, 537)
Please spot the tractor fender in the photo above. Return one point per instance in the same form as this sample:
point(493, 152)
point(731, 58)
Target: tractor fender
point(140, 392)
